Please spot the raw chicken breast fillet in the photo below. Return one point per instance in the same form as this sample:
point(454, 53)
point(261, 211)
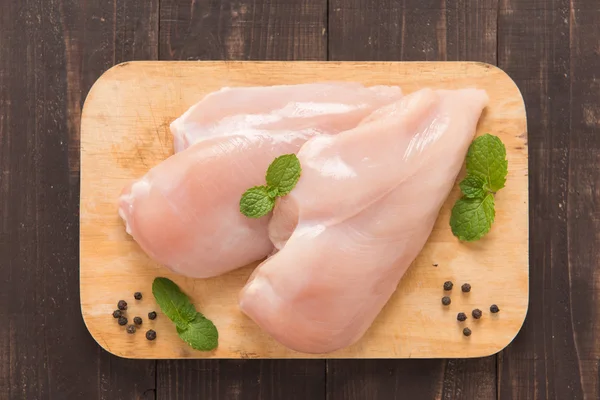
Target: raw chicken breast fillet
point(184, 212)
point(363, 209)
point(281, 107)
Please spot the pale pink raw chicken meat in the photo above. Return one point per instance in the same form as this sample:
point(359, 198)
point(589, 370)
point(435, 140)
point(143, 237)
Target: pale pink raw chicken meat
point(280, 107)
point(184, 212)
point(363, 209)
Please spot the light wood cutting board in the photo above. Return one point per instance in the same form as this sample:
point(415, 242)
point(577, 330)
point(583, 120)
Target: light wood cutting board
point(125, 131)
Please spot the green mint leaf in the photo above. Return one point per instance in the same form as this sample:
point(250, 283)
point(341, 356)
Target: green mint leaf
point(257, 202)
point(473, 187)
point(193, 328)
point(486, 159)
point(283, 173)
point(173, 302)
point(471, 219)
point(201, 334)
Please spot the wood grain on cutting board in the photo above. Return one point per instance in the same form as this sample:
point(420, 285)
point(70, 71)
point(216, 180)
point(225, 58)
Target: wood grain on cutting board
point(125, 131)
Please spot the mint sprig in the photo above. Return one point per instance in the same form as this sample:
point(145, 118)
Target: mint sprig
point(193, 327)
point(282, 176)
point(173, 302)
point(473, 214)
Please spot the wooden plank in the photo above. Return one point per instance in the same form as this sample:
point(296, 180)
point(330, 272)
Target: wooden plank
point(583, 200)
point(412, 30)
point(551, 49)
point(50, 54)
point(243, 30)
point(427, 379)
point(242, 379)
point(135, 136)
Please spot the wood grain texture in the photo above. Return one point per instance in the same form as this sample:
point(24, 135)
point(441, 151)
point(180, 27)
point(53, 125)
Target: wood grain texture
point(51, 52)
point(413, 30)
point(583, 198)
point(551, 49)
point(419, 379)
point(123, 137)
point(243, 30)
point(242, 379)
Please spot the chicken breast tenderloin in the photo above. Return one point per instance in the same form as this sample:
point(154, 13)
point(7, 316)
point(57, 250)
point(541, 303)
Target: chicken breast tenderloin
point(184, 213)
point(363, 209)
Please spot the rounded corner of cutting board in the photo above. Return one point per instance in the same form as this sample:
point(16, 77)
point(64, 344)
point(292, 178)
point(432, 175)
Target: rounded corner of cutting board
point(501, 346)
point(88, 102)
point(111, 74)
point(510, 82)
point(99, 339)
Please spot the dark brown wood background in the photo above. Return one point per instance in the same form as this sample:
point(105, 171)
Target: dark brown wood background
point(52, 51)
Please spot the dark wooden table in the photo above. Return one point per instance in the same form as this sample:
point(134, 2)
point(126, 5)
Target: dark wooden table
point(52, 51)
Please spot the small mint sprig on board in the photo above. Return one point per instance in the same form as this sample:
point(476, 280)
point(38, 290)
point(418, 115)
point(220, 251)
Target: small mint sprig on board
point(473, 214)
point(282, 176)
point(192, 327)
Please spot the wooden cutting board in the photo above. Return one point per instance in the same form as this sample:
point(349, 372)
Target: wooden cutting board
point(125, 131)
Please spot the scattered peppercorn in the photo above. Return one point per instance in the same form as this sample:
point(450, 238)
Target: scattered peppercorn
point(448, 285)
point(137, 295)
point(477, 313)
point(494, 309)
point(435, 265)
point(131, 329)
point(117, 314)
point(446, 300)
point(150, 335)
point(137, 320)
point(461, 316)
point(122, 321)
point(122, 305)
point(467, 332)
point(466, 288)
point(152, 315)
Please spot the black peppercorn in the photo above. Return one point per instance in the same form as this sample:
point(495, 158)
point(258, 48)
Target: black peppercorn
point(150, 335)
point(122, 305)
point(466, 288)
point(446, 300)
point(448, 285)
point(117, 314)
point(461, 316)
point(137, 295)
point(137, 320)
point(477, 313)
point(494, 309)
point(131, 329)
point(122, 321)
point(435, 265)
point(152, 315)
point(467, 332)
